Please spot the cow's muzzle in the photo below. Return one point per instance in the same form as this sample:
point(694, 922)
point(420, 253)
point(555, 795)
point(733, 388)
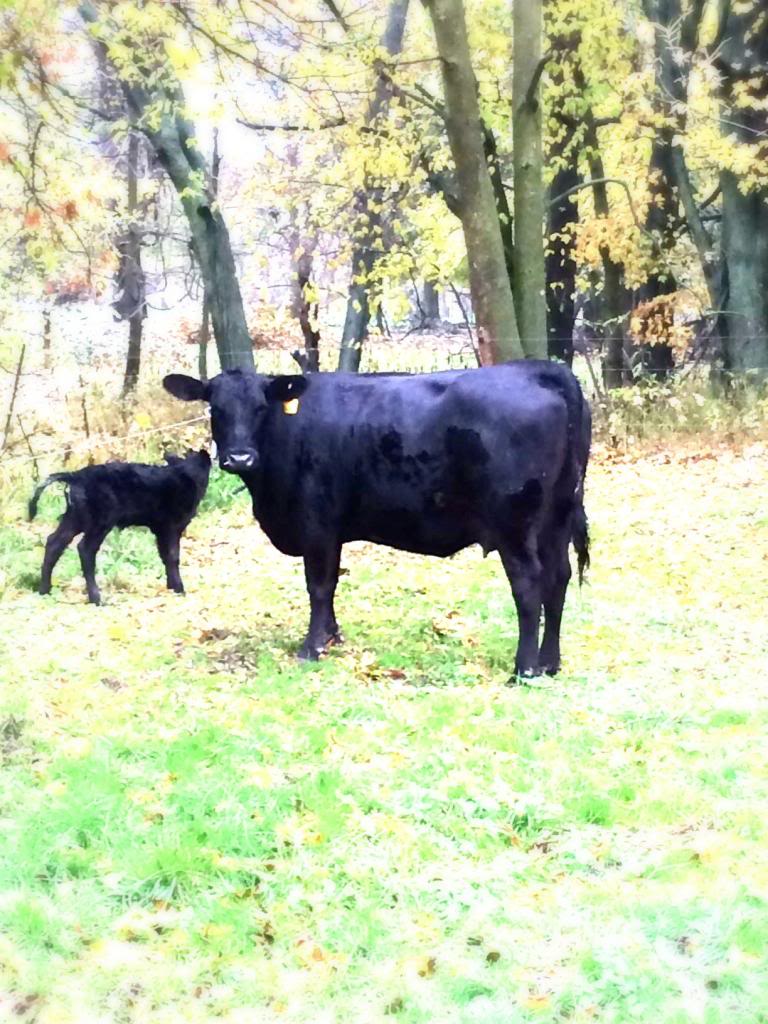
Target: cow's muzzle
point(239, 460)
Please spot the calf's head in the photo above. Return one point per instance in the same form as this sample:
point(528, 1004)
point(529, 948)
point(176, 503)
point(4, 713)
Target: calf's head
point(239, 401)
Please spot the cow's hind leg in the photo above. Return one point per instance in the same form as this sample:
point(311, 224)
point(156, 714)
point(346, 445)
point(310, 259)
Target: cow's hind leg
point(321, 569)
point(518, 548)
point(523, 569)
point(88, 549)
point(556, 574)
point(55, 546)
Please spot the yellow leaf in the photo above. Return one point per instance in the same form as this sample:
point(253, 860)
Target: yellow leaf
point(537, 1002)
point(215, 931)
point(76, 746)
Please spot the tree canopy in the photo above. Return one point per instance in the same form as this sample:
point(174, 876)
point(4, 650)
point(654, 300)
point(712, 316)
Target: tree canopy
point(340, 176)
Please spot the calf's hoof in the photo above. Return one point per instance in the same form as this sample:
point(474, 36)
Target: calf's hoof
point(44, 590)
point(94, 599)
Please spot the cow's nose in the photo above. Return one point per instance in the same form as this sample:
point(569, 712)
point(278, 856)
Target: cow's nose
point(236, 461)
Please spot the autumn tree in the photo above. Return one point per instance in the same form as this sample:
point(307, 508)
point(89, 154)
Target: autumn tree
point(132, 41)
point(131, 302)
point(369, 202)
point(742, 61)
point(562, 207)
point(528, 278)
point(490, 286)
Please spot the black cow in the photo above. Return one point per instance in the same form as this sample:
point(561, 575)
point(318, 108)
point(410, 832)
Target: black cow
point(119, 494)
point(429, 463)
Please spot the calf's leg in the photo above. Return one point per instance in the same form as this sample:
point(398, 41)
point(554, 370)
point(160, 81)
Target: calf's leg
point(55, 546)
point(88, 549)
point(168, 545)
point(321, 569)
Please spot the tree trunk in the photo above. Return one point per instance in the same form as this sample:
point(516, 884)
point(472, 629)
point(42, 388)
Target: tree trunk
point(503, 211)
point(743, 64)
point(430, 302)
point(47, 338)
point(133, 357)
point(676, 37)
point(204, 338)
point(745, 253)
point(306, 312)
point(615, 299)
point(562, 210)
point(560, 265)
point(156, 103)
point(368, 209)
point(654, 345)
point(529, 280)
point(494, 308)
point(132, 301)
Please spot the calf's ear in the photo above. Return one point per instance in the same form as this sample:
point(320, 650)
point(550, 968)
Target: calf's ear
point(188, 389)
point(283, 389)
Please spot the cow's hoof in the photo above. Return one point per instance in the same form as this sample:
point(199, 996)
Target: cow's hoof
point(44, 591)
point(523, 676)
point(307, 653)
point(94, 599)
point(335, 639)
point(550, 670)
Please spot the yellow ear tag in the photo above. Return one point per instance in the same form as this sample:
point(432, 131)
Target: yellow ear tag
point(291, 407)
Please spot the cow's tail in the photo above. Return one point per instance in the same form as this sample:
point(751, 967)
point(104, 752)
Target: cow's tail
point(580, 441)
point(54, 478)
point(580, 527)
point(562, 380)
point(580, 537)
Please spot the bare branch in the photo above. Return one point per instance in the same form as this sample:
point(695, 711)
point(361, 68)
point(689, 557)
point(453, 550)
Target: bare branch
point(605, 181)
point(338, 16)
point(530, 95)
point(337, 122)
point(711, 197)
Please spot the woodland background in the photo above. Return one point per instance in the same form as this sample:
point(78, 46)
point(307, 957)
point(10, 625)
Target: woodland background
point(270, 174)
point(195, 827)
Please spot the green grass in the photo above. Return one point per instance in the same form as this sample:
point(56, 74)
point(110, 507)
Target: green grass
point(195, 827)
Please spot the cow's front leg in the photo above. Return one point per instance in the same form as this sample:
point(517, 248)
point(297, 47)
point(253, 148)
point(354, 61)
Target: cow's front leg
point(321, 569)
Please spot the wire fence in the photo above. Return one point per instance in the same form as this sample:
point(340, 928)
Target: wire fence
point(47, 388)
point(60, 392)
point(97, 441)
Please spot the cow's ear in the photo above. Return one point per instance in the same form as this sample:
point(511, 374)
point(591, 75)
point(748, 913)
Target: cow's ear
point(283, 389)
point(188, 389)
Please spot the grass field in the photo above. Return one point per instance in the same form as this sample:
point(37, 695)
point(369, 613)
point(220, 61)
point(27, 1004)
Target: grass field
point(195, 827)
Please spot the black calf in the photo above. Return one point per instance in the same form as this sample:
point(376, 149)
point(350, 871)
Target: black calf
point(119, 494)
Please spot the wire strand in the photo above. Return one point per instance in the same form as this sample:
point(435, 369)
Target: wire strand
point(93, 442)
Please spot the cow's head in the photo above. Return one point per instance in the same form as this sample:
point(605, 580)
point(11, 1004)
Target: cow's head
point(238, 401)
